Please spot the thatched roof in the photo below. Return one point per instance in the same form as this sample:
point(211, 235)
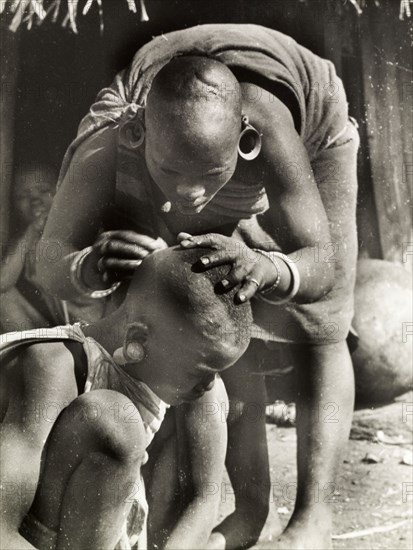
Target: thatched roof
point(34, 12)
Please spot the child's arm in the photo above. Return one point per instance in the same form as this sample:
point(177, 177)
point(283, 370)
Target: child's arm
point(206, 434)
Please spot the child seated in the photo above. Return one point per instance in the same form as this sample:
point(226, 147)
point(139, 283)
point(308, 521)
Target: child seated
point(23, 304)
point(165, 344)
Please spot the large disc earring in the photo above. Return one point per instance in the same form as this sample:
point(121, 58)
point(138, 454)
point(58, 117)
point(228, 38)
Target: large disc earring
point(249, 145)
point(132, 352)
point(132, 134)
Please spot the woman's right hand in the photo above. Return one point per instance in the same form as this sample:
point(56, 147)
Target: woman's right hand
point(116, 254)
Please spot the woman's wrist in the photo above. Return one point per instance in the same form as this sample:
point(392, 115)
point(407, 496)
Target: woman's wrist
point(285, 282)
point(89, 272)
point(279, 279)
point(85, 275)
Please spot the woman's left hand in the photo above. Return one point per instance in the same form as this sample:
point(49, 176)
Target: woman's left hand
point(250, 269)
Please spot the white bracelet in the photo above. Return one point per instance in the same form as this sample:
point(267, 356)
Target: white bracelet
point(276, 264)
point(78, 283)
point(295, 278)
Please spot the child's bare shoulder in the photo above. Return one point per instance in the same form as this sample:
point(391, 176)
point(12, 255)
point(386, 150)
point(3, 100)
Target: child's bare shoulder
point(51, 360)
point(45, 351)
point(41, 373)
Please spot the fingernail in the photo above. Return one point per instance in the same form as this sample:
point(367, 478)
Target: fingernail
point(225, 283)
point(185, 242)
point(241, 297)
point(205, 261)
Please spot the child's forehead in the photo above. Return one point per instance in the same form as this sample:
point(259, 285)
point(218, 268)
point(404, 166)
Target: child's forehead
point(31, 177)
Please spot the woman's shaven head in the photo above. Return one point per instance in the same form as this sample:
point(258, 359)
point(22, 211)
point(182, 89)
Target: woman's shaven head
point(182, 331)
point(193, 124)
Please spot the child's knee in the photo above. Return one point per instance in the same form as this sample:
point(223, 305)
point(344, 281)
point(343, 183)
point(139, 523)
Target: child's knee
point(112, 422)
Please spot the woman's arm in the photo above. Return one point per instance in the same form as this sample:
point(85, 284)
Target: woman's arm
point(206, 433)
point(79, 206)
point(298, 220)
point(83, 200)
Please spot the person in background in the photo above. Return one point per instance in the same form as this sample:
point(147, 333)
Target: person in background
point(23, 304)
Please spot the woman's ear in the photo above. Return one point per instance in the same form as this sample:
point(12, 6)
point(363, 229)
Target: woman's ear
point(134, 345)
point(132, 133)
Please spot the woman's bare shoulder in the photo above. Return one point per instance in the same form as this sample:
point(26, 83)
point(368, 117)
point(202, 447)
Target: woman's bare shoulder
point(92, 169)
point(264, 109)
point(101, 146)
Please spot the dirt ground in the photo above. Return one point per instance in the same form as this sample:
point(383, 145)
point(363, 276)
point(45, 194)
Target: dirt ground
point(376, 492)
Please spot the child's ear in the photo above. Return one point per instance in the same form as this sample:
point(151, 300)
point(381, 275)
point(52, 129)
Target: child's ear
point(137, 332)
point(134, 345)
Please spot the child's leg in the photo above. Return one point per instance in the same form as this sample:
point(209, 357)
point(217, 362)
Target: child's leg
point(185, 480)
point(324, 410)
point(247, 455)
point(162, 486)
point(91, 469)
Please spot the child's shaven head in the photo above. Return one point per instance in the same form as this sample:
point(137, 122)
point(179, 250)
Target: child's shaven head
point(222, 323)
point(180, 329)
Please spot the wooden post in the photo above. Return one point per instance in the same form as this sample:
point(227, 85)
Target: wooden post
point(342, 46)
point(387, 81)
point(9, 71)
